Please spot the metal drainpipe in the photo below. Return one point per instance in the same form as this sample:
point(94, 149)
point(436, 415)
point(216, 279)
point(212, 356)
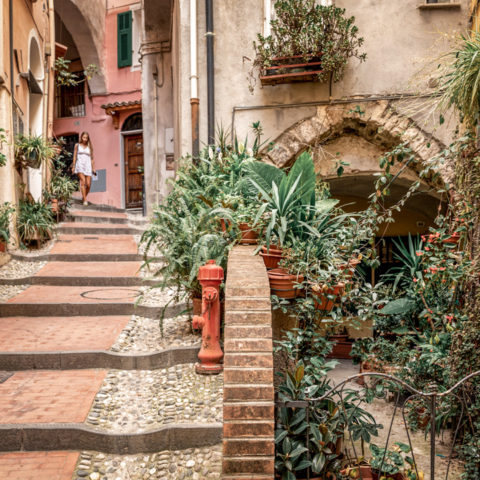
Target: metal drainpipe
point(210, 72)
point(194, 101)
point(10, 34)
point(155, 127)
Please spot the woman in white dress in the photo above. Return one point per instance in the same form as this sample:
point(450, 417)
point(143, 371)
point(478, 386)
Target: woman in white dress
point(83, 164)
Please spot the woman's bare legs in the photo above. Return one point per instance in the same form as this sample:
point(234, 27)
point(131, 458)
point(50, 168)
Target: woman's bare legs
point(88, 184)
point(83, 189)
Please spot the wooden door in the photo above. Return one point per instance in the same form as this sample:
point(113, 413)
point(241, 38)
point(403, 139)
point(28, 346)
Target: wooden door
point(133, 170)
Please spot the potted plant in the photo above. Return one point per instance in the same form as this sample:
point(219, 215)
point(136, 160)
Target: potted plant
point(5, 211)
point(309, 42)
point(395, 464)
point(3, 139)
point(34, 222)
point(283, 284)
point(32, 150)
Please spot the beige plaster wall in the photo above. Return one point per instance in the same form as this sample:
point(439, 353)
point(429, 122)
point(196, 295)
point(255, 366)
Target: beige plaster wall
point(399, 39)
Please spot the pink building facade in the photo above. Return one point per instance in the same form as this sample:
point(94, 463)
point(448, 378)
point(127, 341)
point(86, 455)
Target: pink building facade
point(111, 117)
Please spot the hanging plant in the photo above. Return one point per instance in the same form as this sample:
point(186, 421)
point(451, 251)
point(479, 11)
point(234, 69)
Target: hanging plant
point(305, 36)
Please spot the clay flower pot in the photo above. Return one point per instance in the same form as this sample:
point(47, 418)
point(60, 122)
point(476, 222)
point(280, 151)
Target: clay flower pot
point(54, 205)
point(320, 292)
point(3, 245)
point(247, 235)
point(341, 348)
point(272, 256)
point(282, 284)
point(453, 239)
point(350, 267)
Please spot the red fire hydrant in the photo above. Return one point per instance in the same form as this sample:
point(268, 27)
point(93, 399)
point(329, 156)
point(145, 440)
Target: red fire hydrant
point(210, 277)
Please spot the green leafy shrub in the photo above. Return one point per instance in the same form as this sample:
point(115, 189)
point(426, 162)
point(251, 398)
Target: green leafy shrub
point(34, 221)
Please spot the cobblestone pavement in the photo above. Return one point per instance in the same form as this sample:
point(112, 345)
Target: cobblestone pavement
point(150, 334)
point(195, 464)
point(20, 269)
point(133, 401)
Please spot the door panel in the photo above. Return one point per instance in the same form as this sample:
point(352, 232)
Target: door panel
point(133, 178)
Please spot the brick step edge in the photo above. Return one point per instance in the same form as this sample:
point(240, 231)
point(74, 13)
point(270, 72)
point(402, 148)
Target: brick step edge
point(84, 257)
point(99, 231)
point(101, 359)
point(99, 208)
point(78, 217)
point(82, 281)
point(71, 436)
point(87, 309)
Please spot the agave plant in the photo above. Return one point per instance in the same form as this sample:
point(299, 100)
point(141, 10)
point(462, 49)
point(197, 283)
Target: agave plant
point(34, 221)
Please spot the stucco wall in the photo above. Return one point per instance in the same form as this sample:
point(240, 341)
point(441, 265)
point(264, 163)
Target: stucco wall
point(399, 38)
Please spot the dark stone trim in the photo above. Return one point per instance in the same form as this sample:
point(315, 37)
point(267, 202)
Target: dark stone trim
point(86, 309)
point(76, 360)
point(83, 257)
point(82, 281)
point(98, 231)
point(71, 436)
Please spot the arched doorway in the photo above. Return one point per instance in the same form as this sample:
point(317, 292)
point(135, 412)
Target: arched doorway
point(132, 133)
point(35, 111)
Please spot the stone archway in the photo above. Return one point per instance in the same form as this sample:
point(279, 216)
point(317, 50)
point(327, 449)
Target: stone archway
point(85, 22)
point(375, 121)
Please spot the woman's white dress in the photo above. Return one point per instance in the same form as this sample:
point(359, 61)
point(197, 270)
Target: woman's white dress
point(84, 160)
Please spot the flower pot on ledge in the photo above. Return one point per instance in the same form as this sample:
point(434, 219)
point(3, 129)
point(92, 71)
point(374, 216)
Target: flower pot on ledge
point(271, 256)
point(248, 236)
point(292, 69)
point(282, 284)
point(321, 295)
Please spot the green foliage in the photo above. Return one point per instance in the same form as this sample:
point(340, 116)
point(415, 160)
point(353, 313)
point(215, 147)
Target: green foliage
point(62, 185)
point(309, 30)
point(63, 75)
point(3, 139)
point(391, 462)
point(5, 212)
point(34, 221)
point(459, 85)
point(32, 151)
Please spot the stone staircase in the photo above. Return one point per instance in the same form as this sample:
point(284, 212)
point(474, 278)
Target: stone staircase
point(83, 404)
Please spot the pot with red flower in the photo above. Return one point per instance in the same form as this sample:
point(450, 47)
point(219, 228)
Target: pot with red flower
point(325, 296)
point(453, 239)
point(283, 284)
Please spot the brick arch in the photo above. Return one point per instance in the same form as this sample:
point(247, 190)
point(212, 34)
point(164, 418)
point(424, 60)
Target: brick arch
point(85, 22)
point(376, 121)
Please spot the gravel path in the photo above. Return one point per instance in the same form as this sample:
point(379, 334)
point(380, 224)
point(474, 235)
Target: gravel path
point(149, 335)
point(9, 291)
point(20, 269)
point(195, 464)
point(35, 252)
point(130, 401)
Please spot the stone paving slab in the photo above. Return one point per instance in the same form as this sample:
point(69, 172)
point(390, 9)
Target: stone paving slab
point(90, 269)
point(49, 396)
point(43, 334)
point(48, 294)
point(38, 465)
point(97, 214)
point(95, 244)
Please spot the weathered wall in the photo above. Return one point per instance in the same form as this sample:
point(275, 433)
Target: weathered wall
point(399, 38)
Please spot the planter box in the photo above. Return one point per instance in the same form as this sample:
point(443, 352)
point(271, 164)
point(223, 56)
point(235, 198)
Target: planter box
point(291, 70)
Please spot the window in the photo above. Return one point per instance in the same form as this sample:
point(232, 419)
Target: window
point(133, 122)
point(124, 39)
point(70, 99)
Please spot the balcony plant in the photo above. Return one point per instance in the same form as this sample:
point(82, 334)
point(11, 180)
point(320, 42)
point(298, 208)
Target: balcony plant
point(32, 150)
point(61, 188)
point(308, 42)
point(3, 139)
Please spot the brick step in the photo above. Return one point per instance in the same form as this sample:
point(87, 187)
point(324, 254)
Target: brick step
point(38, 465)
point(82, 281)
point(95, 244)
point(78, 205)
point(87, 228)
point(45, 300)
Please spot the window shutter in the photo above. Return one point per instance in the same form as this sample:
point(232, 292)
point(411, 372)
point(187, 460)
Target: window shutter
point(124, 29)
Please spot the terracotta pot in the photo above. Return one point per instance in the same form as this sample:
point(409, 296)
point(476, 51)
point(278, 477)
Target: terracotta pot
point(350, 267)
point(322, 302)
point(282, 284)
point(397, 476)
point(248, 236)
point(3, 246)
point(272, 257)
point(54, 205)
point(364, 472)
point(341, 348)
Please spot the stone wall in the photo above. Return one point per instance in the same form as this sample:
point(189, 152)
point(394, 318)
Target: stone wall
point(248, 399)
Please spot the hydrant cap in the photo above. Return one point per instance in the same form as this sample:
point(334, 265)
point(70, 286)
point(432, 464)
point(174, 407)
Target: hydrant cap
point(210, 271)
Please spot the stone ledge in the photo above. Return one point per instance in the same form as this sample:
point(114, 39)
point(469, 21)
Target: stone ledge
point(440, 5)
point(248, 394)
